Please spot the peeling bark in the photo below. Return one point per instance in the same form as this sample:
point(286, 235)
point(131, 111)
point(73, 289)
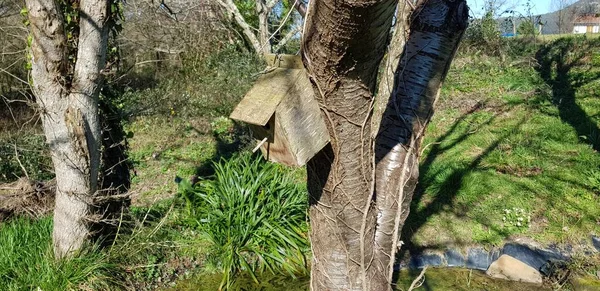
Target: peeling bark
point(70, 112)
point(435, 32)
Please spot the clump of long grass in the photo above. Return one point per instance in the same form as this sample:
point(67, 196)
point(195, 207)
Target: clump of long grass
point(253, 216)
point(27, 261)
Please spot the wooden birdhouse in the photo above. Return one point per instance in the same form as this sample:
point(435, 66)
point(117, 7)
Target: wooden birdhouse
point(282, 113)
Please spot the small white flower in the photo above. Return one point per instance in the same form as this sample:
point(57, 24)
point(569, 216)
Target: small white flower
point(518, 224)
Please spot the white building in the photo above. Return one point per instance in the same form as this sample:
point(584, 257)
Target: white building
point(586, 24)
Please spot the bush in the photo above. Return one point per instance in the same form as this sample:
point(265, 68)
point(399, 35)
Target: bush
point(483, 34)
point(32, 157)
point(253, 216)
point(209, 88)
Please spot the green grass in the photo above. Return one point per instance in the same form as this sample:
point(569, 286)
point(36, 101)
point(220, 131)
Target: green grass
point(177, 127)
point(461, 280)
point(511, 152)
point(28, 264)
point(502, 141)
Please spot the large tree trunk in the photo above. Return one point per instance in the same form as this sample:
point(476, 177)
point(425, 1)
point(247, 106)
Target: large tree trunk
point(70, 111)
point(360, 189)
point(344, 42)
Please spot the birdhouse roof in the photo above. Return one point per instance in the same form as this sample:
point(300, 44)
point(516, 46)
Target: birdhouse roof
point(262, 100)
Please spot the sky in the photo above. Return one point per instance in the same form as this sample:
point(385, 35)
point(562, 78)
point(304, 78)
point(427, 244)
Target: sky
point(539, 6)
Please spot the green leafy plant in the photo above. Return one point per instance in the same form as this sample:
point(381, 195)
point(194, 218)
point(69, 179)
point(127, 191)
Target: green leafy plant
point(253, 216)
point(516, 218)
point(223, 128)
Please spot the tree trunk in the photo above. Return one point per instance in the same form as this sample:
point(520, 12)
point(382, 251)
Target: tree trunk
point(385, 84)
point(233, 12)
point(70, 111)
point(343, 44)
point(435, 32)
point(263, 11)
point(360, 194)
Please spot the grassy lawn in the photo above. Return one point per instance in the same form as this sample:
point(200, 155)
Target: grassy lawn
point(511, 154)
point(180, 127)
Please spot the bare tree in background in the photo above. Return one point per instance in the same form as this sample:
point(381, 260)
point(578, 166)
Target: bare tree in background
point(69, 111)
point(262, 40)
point(12, 48)
point(589, 8)
point(155, 29)
point(564, 14)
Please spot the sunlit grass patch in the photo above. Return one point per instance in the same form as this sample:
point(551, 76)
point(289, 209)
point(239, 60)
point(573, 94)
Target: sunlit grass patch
point(27, 261)
point(511, 150)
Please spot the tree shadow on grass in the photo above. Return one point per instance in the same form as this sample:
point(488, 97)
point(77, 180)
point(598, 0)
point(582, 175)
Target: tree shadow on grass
point(562, 66)
point(451, 185)
point(237, 139)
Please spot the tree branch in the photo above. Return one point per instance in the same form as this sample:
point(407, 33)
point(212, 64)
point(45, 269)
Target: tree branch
point(300, 7)
point(232, 10)
point(271, 4)
point(286, 38)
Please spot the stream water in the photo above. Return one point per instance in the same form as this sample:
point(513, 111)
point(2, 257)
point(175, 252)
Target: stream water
point(436, 279)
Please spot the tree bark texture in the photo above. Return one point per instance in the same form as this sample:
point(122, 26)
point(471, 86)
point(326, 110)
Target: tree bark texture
point(385, 84)
point(234, 13)
point(344, 42)
point(69, 110)
point(262, 10)
point(435, 32)
point(361, 185)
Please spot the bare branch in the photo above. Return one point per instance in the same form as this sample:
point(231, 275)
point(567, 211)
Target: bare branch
point(286, 38)
point(19, 161)
point(232, 10)
point(418, 281)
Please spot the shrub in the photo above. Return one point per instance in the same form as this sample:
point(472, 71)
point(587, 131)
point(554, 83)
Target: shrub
point(22, 153)
point(253, 216)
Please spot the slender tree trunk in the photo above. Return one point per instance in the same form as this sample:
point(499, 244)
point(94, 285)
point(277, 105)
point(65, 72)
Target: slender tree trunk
point(233, 12)
point(70, 111)
point(435, 32)
point(385, 85)
point(263, 11)
point(359, 188)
